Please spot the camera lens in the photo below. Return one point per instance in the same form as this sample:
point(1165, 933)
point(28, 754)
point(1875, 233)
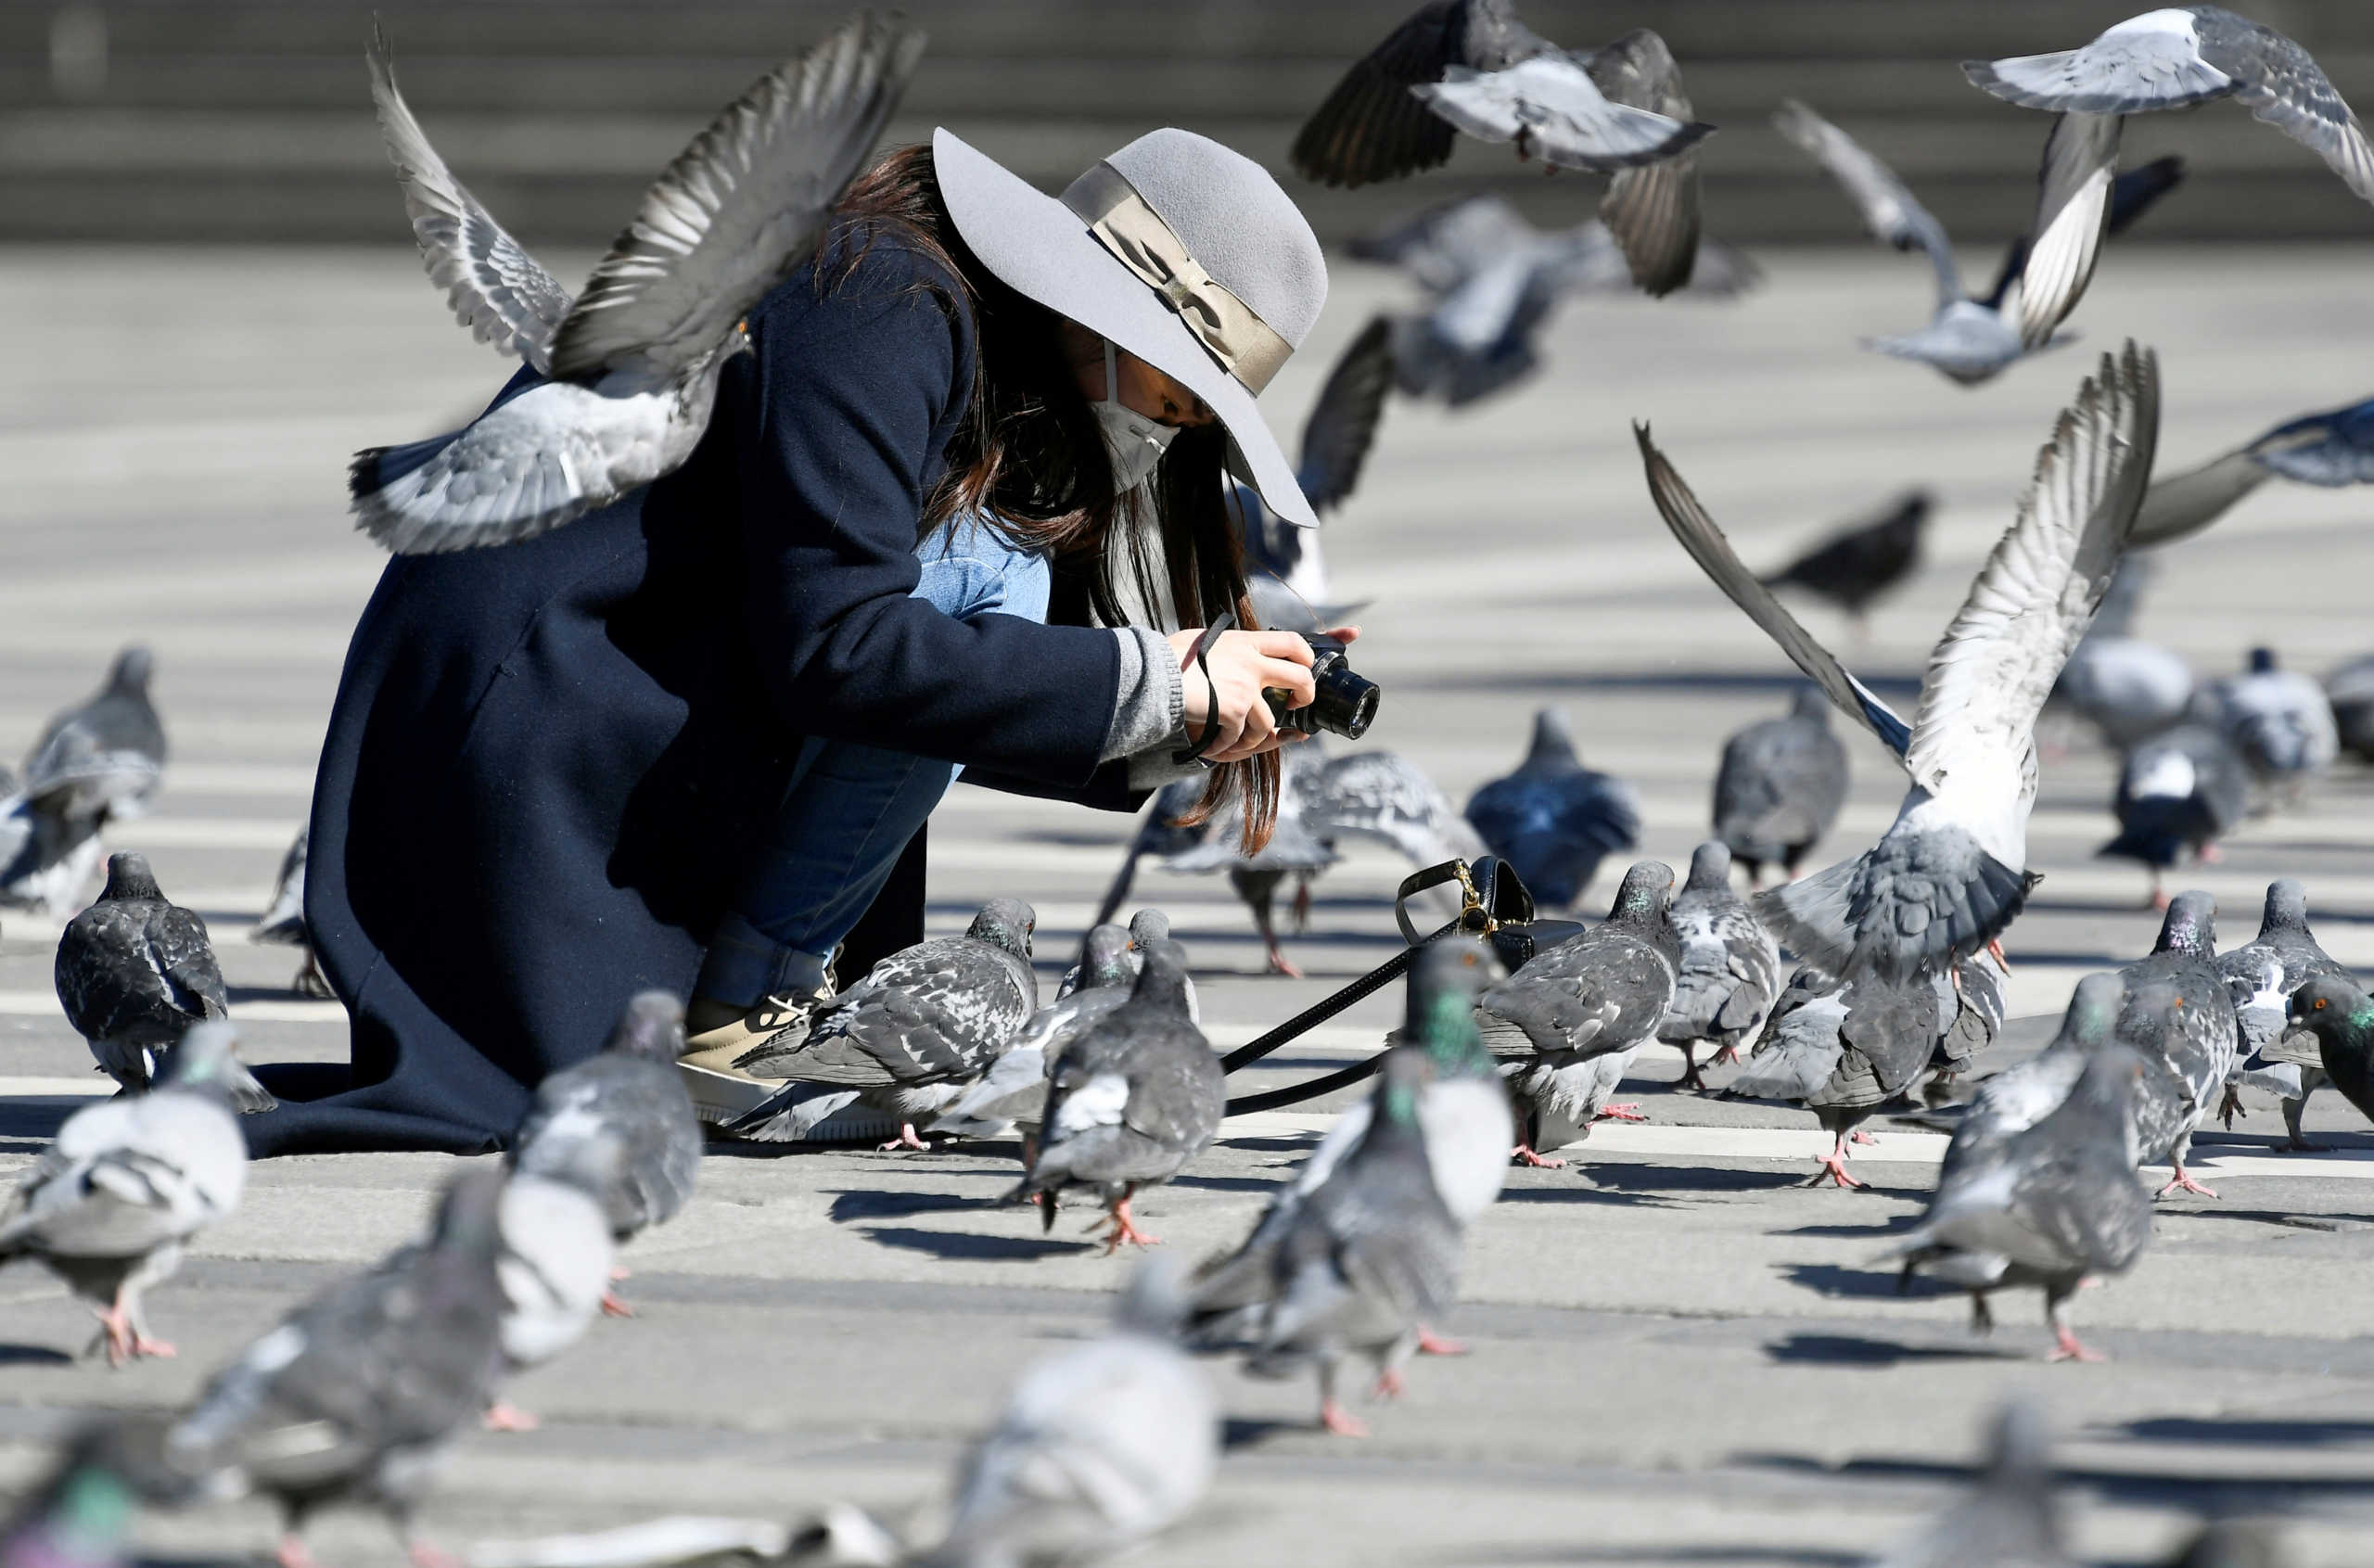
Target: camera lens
point(1345, 704)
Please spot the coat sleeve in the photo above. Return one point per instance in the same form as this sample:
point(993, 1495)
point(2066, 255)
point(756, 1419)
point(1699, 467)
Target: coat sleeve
point(851, 396)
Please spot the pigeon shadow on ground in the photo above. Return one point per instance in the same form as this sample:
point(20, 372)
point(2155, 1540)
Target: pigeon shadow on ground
point(2191, 1492)
point(14, 1355)
point(1251, 1432)
point(1645, 1178)
point(1809, 1557)
point(1574, 1192)
point(1834, 1283)
point(959, 1247)
point(2292, 1432)
point(1226, 1183)
point(1892, 1226)
point(2290, 1219)
point(36, 1120)
point(854, 1204)
point(1855, 1350)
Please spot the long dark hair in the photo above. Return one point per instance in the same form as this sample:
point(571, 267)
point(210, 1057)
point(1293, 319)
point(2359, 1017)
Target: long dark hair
point(1028, 457)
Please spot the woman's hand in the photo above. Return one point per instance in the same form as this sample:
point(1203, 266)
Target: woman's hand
point(1243, 663)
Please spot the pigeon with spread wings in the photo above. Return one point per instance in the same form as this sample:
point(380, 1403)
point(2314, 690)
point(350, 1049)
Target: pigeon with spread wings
point(1950, 875)
point(2332, 450)
point(629, 367)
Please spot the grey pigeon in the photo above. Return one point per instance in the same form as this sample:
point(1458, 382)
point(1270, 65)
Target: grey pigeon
point(2049, 1206)
point(1471, 65)
point(2178, 792)
point(134, 972)
point(1842, 1048)
point(907, 1039)
point(2261, 976)
point(1554, 820)
point(628, 370)
point(1950, 875)
point(1014, 1091)
point(1285, 569)
point(282, 924)
point(1134, 1101)
point(1730, 967)
point(1573, 1015)
point(2007, 1520)
point(1146, 927)
point(2330, 450)
point(111, 1203)
point(2350, 689)
point(85, 1511)
point(1369, 1259)
point(1969, 341)
point(1779, 787)
point(2280, 721)
point(1100, 1447)
point(2014, 1099)
point(2189, 1045)
point(1861, 563)
point(620, 1124)
point(353, 1396)
point(2332, 1028)
point(1383, 797)
point(97, 762)
point(2179, 56)
point(554, 1271)
point(2127, 688)
point(1294, 850)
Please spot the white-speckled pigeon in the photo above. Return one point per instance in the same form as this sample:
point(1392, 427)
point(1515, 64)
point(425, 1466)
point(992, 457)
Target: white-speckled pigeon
point(1572, 1016)
point(1385, 798)
point(2008, 1520)
point(282, 924)
point(1950, 875)
point(1014, 1091)
point(1554, 820)
point(2190, 1043)
point(923, 1024)
point(619, 1126)
point(629, 367)
point(2280, 721)
point(2178, 792)
point(1730, 968)
point(1843, 1049)
point(1218, 844)
point(109, 1203)
point(1779, 787)
point(1134, 1099)
point(2261, 976)
point(353, 1398)
point(2019, 1096)
point(134, 972)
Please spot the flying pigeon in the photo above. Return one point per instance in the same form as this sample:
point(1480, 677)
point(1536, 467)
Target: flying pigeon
point(2008, 1520)
point(2331, 450)
point(2189, 1045)
point(1554, 820)
point(1294, 849)
point(1286, 571)
point(1100, 1447)
point(2050, 1206)
point(1471, 66)
point(1014, 1091)
point(2336, 1014)
point(97, 762)
point(1860, 563)
point(355, 1394)
point(2128, 689)
point(1951, 873)
point(134, 972)
point(1779, 787)
point(2179, 56)
point(1134, 1099)
point(629, 368)
point(1730, 968)
point(619, 1126)
point(2280, 721)
point(2178, 792)
point(1572, 1016)
point(2080, 199)
point(923, 1024)
point(111, 1203)
point(2350, 689)
point(284, 920)
point(1368, 1258)
point(2261, 976)
point(1842, 1050)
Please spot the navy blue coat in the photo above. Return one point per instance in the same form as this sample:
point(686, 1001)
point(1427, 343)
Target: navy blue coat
point(547, 760)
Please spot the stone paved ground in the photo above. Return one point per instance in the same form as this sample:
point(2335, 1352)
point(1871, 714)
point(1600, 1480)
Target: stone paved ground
point(1680, 1354)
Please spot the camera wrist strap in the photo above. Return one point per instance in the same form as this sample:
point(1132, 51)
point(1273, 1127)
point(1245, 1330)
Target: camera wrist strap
point(1200, 658)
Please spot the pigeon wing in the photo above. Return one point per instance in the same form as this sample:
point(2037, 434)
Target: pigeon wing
point(1652, 211)
point(2073, 213)
point(1370, 127)
point(1890, 210)
point(2288, 90)
point(1552, 101)
point(1342, 426)
point(179, 947)
point(2152, 62)
point(1448, 243)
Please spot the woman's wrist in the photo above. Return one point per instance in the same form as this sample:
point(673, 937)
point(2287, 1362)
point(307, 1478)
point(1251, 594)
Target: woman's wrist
point(1149, 706)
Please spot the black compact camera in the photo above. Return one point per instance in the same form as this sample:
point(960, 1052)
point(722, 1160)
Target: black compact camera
point(1344, 702)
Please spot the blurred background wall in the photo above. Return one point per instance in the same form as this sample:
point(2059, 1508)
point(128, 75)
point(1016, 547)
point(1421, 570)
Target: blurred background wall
point(189, 120)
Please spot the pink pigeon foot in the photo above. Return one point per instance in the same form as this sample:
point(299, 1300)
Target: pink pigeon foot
point(1389, 1384)
point(1833, 1166)
point(1622, 1111)
point(292, 1553)
point(1727, 1057)
point(906, 1140)
point(2210, 855)
point(1281, 965)
point(1432, 1343)
point(423, 1555)
point(2065, 1348)
point(2182, 1180)
point(1124, 1229)
point(1860, 1136)
point(1524, 1155)
point(612, 1306)
point(1341, 1421)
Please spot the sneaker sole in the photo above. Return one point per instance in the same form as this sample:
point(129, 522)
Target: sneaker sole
point(721, 1098)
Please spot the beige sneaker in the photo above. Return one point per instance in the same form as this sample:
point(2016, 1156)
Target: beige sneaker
point(713, 1062)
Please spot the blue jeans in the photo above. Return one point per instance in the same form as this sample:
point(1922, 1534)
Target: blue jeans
point(851, 809)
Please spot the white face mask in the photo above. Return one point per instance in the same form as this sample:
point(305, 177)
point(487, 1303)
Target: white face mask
point(1134, 442)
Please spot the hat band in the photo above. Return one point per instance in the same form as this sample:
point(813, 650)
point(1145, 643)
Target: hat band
point(1245, 346)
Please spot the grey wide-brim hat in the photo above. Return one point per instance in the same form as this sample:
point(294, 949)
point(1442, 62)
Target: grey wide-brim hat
point(1182, 252)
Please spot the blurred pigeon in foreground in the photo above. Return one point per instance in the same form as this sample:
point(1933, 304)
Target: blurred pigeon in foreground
point(2336, 1014)
point(1731, 969)
point(1779, 787)
point(2178, 792)
point(354, 1396)
point(2049, 1206)
point(907, 1039)
point(619, 1126)
point(554, 1271)
point(2008, 1520)
point(2179, 56)
point(2261, 976)
point(284, 920)
point(2330, 449)
point(1471, 66)
point(1950, 875)
point(629, 368)
point(2190, 1044)
point(2350, 689)
point(94, 763)
point(1134, 1099)
point(134, 972)
point(1285, 571)
point(1554, 820)
point(1857, 564)
point(109, 1203)
point(1574, 1014)
point(84, 1513)
point(2280, 721)
point(1842, 1050)
point(1014, 1091)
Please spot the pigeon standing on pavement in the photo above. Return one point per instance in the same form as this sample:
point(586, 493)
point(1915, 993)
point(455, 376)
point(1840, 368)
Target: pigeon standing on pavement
point(1730, 967)
point(134, 972)
point(2178, 792)
point(1294, 848)
point(284, 920)
point(1779, 787)
point(111, 1203)
point(629, 369)
point(619, 1126)
point(1554, 820)
point(2050, 1206)
point(354, 1396)
point(2261, 976)
point(2281, 722)
point(1950, 875)
point(1856, 565)
point(2014, 1099)
point(2180, 56)
point(94, 763)
point(1842, 1048)
point(2334, 1013)
point(1134, 1101)
point(1574, 1014)
point(2189, 1045)
point(1015, 1089)
point(923, 1024)
point(2332, 450)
